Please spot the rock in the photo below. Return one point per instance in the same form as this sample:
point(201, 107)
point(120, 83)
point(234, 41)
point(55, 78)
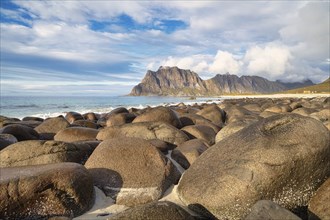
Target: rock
point(265, 209)
point(304, 111)
point(85, 123)
point(145, 130)
point(91, 116)
point(323, 115)
point(50, 127)
point(38, 192)
point(230, 129)
point(154, 210)
point(33, 119)
point(186, 153)
point(267, 114)
point(73, 116)
point(131, 170)
point(6, 140)
point(163, 146)
point(283, 158)
point(43, 152)
point(202, 132)
point(234, 113)
point(252, 107)
point(76, 134)
point(119, 110)
point(214, 114)
point(319, 205)
point(21, 132)
point(295, 105)
point(327, 124)
point(193, 119)
point(160, 114)
point(119, 119)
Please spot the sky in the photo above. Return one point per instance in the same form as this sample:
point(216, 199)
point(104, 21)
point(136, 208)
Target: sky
point(64, 47)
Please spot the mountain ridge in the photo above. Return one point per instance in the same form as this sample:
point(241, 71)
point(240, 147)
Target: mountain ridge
point(173, 81)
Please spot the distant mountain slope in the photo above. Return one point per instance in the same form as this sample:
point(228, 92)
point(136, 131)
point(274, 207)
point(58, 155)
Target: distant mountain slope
point(178, 82)
point(296, 85)
point(323, 87)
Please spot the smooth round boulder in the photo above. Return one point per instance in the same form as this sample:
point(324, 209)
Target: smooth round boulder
point(282, 158)
point(73, 116)
point(42, 191)
point(304, 111)
point(319, 205)
point(193, 119)
point(230, 129)
point(213, 113)
point(131, 170)
point(145, 130)
point(32, 118)
point(6, 140)
point(160, 114)
point(21, 132)
point(119, 119)
point(85, 123)
point(234, 113)
point(50, 127)
point(202, 132)
point(266, 209)
point(73, 134)
point(186, 153)
point(155, 210)
point(43, 152)
point(91, 116)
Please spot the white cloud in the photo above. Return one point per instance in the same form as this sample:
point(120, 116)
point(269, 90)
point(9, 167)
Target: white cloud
point(270, 61)
point(224, 62)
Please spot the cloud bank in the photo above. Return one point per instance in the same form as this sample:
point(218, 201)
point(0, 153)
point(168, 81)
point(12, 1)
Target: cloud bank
point(86, 46)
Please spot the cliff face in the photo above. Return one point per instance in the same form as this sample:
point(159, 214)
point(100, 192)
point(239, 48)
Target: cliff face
point(178, 82)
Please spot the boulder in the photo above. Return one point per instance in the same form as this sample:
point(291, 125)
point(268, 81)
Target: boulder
point(213, 113)
point(73, 116)
point(31, 118)
point(304, 111)
point(319, 205)
point(43, 152)
point(91, 116)
point(21, 132)
point(234, 113)
point(186, 153)
point(252, 107)
point(131, 170)
point(119, 119)
point(193, 119)
point(50, 127)
point(42, 191)
point(6, 140)
point(76, 134)
point(85, 123)
point(154, 210)
point(145, 130)
point(266, 209)
point(282, 158)
point(202, 132)
point(160, 114)
point(163, 146)
point(230, 129)
point(322, 115)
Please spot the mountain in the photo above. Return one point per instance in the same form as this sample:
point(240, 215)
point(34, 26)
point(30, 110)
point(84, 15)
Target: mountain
point(296, 85)
point(173, 81)
point(323, 87)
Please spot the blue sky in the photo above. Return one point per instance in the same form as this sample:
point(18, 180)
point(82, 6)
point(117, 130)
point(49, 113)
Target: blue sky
point(106, 47)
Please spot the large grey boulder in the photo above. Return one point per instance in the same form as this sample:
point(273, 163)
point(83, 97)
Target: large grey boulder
point(43, 152)
point(159, 114)
point(42, 191)
point(130, 170)
point(76, 134)
point(283, 158)
point(50, 127)
point(145, 130)
point(154, 211)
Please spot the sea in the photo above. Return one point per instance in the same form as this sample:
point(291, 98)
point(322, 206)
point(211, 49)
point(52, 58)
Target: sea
point(44, 107)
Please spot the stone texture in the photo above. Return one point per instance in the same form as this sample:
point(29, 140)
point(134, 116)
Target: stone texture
point(214, 114)
point(266, 209)
point(119, 119)
point(131, 170)
point(193, 119)
point(160, 114)
point(42, 191)
point(202, 132)
point(230, 129)
point(85, 123)
point(21, 132)
point(153, 211)
point(186, 153)
point(282, 158)
point(76, 134)
point(50, 127)
point(73, 116)
point(319, 205)
point(145, 130)
point(6, 140)
point(43, 152)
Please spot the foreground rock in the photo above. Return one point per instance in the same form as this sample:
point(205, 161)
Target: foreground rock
point(21, 132)
point(319, 205)
point(43, 152)
point(282, 158)
point(266, 209)
point(39, 192)
point(145, 130)
point(6, 140)
point(131, 170)
point(155, 210)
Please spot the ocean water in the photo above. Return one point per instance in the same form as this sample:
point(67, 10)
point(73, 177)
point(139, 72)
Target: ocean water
point(44, 107)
